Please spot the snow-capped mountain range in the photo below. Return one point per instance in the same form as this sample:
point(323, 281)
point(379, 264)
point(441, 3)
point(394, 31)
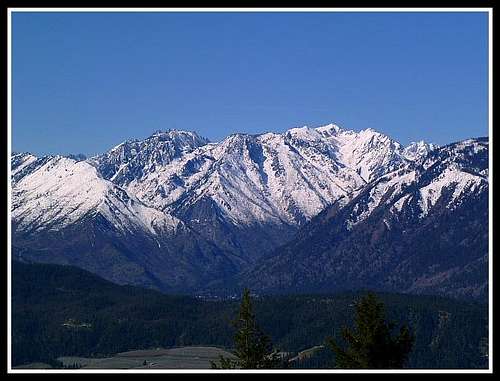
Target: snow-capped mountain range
point(249, 180)
point(52, 193)
point(242, 197)
point(422, 228)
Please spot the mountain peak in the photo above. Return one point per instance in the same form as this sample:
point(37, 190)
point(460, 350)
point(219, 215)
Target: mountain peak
point(329, 129)
point(77, 157)
point(133, 159)
point(172, 133)
point(303, 133)
point(416, 150)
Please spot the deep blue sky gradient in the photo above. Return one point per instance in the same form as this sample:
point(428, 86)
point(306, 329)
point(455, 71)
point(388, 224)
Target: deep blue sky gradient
point(84, 82)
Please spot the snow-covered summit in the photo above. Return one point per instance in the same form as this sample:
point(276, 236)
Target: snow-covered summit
point(61, 191)
point(244, 180)
point(445, 178)
point(328, 129)
point(280, 178)
point(174, 209)
point(368, 152)
point(134, 158)
point(416, 150)
point(179, 137)
point(422, 228)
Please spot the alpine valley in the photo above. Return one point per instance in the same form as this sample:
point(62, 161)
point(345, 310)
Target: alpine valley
point(309, 210)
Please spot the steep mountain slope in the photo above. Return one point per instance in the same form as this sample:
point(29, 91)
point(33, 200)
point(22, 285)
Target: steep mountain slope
point(250, 186)
point(61, 191)
point(420, 229)
point(285, 177)
point(134, 159)
point(175, 211)
point(64, 212)
point(370, 153)
point(417, 150)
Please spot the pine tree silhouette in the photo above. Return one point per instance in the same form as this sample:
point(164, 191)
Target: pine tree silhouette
point(253, 347)
point(371, 344)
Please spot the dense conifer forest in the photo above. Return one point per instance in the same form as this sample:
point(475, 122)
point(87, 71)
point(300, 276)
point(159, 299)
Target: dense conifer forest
point(62, 310)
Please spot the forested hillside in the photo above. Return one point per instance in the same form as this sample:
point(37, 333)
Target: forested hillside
point(62, 310)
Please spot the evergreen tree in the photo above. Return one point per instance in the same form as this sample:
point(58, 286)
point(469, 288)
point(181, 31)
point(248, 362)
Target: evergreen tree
point(253, 347)
point(371, 344)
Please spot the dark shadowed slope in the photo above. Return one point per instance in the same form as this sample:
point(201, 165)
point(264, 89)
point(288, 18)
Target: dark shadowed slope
point(421, 229)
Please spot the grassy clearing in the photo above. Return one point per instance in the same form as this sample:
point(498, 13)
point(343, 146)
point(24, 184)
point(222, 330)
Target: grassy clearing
point(160, 358)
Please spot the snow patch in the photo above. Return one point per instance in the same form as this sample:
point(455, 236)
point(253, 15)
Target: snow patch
point(451, 178)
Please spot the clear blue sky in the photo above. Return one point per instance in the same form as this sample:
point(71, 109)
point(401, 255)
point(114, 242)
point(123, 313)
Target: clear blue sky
point(84, 82)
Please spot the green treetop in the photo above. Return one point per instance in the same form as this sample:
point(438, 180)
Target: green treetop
point(252, 346)
point(371, 344)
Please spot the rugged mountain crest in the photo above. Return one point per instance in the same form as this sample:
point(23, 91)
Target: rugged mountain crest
point(176, 212)
point(63, 211)
point(59, 191)
point(416, 150)
point(135, 158)
point(422, 228)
